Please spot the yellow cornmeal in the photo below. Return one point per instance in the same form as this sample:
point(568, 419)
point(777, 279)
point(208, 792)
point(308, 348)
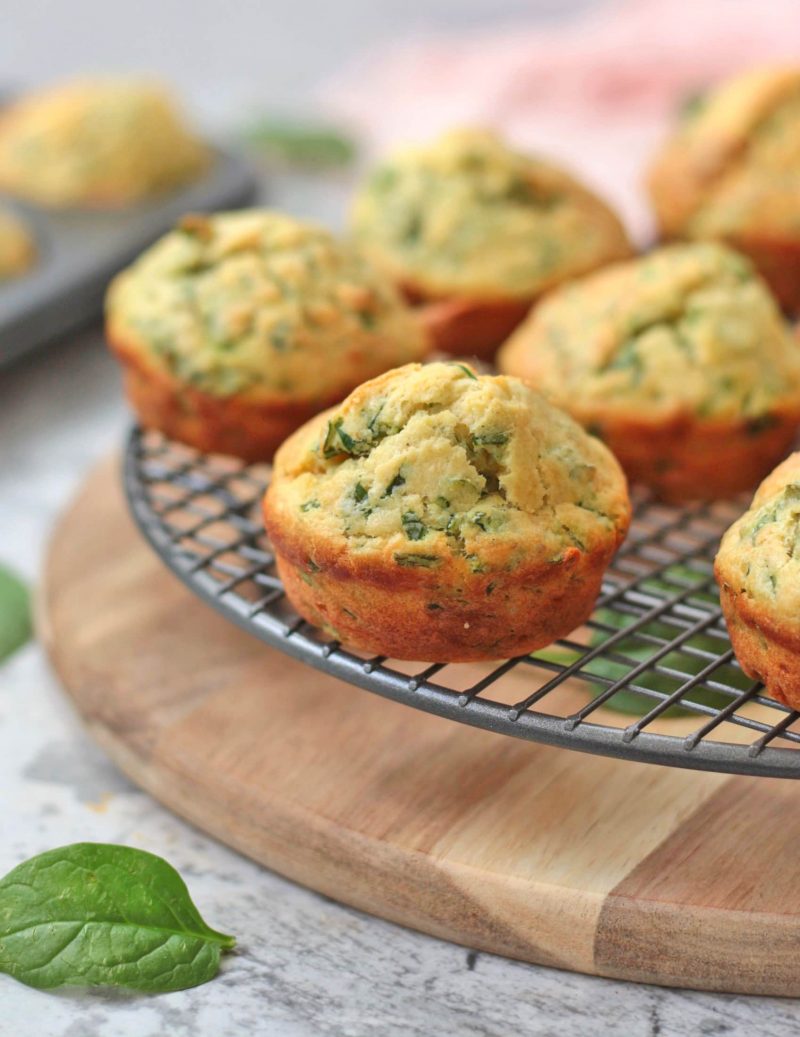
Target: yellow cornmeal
point(431, 461)
point(258, 303)
point(17, 247)
point(689, 329)
point(759, 558)
point(740, 154)
point(467, 216)
point(96, 142)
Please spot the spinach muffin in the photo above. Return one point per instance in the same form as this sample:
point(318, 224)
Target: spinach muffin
point(731, 172)
point(236, 328)
point(96, 143)
point(680, 361)
point(758, 571)
point(17, 247)
point(438, 515)
point(473, 232)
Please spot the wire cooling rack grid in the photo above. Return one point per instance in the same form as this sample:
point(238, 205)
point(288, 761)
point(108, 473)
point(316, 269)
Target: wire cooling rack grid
point(650, 677)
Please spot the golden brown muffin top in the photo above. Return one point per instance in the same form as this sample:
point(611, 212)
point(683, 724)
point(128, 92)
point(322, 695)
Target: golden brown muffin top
point(17, 247)
point(759, 557)
point(96, 142)
point(733, 165)
point(468, 216)
point(427, 464)
point(258, 303)
point(685, 330)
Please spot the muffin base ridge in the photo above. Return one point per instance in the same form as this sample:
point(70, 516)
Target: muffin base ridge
point(685, 459)
point(443, 615)
point(250, 429)
point(765, 652)
point(464, 327)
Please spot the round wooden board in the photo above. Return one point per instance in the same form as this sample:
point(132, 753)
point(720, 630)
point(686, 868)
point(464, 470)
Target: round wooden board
point(581, 862)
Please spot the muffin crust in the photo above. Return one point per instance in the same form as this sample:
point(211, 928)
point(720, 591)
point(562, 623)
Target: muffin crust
point(758, 571)
point(443, 516)
point(236, 328)
point(680, 361)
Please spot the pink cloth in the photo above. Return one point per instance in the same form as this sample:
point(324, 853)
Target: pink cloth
point(596, 91)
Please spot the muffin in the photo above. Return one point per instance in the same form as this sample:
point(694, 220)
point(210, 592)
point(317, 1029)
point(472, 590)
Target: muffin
point(473, 232)
point(236, 328)
point(731, 172)
point(442, 516)
point(758, 571)
point(17, 247)
point(680, 361)
point(96, 143)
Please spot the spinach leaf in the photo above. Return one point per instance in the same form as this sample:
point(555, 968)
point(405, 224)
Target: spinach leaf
point(302, 144)
point(637, 650)
point(490, 439)
point(636, 703)
point(399, 480)
point(413, 526)
point(354, 447)
point(15, 613)
point(415, 560)
point(93, 914)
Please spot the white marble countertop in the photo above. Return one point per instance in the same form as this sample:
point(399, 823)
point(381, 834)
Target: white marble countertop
point(304, 965)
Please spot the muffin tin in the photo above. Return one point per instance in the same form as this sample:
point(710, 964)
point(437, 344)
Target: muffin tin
point(80, 250)
point(656, 633)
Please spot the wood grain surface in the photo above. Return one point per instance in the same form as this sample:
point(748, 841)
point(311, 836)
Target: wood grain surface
point(581, 862)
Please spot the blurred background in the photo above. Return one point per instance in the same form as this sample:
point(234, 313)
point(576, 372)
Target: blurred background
point(224, 55)
point(592, 82)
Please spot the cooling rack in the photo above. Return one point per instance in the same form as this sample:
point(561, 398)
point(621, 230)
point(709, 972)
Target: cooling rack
point(650, 677)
